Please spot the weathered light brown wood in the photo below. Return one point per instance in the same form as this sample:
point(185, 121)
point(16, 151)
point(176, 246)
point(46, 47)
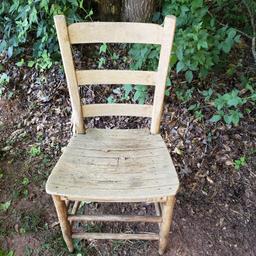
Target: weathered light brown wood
point(75, 207)
point(116, 218)
point(85, 77)
point(92, 110)
point(61, 210)
point(67, 202)
point(74, 210)
point(149, 236)
point(114, 165)
point(68, 64)
point(115, 32)
point(166, 46)
point(157, 209)
point(166, 224)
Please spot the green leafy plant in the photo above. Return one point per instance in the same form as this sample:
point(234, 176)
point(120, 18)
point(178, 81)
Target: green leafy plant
point(199, 42)
point(5, 206)
point(103, 51)
point(4, 80)
point(43, 62)
point(102, 59)
point(30, 222)
point(184, 94)
point(25, 181)
point(35, 151)
point(241, 162)
point(207, 94)
point(143, 57)
point(8, 253)
point(32, 21)
point(227, 107)
point(196, 109)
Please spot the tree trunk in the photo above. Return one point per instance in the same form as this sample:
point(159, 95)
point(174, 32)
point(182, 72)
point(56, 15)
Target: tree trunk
point(137, 10)
point(107, 10)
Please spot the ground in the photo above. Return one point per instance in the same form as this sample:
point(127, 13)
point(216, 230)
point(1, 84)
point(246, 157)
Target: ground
point(216, 203)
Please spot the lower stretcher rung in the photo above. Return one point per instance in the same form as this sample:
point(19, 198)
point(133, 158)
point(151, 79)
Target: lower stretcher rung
point(148, 236)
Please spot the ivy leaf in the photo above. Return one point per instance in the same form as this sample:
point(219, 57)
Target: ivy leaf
point(189, 76)
point(227, 119)
point(103, 48)
point(202, 44)
point(137, 95)
point(180, 66)
point(10, 51)
point(233, 101)
point(31, 63)
point(111, 99)
point(168, 82)
point(179, 53)
point(10, 253)
point(5, 206)
point(219, 103)
point(197, 4)
point(237, 39)
point(193, 106)
point(127, 89)
point(227, 45)
point(231, 33)
point(235, 116)
point(215, 118)
point(25, 181)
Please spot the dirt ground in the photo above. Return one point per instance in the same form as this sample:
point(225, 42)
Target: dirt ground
point(216, 204)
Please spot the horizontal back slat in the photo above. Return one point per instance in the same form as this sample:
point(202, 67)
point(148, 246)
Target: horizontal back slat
point(115, 77)
point(111, 32)
point(117, 110)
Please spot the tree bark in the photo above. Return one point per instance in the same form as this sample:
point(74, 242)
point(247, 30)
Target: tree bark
point(107, 10)
point(137, 10)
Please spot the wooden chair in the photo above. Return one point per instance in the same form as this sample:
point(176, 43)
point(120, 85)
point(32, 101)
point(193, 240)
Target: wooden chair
point(100, 165)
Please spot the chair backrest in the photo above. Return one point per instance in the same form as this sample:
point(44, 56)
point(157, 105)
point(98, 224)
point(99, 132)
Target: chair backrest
point(115, 32)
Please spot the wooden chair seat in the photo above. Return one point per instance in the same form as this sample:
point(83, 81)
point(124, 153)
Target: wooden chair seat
point(114, 165)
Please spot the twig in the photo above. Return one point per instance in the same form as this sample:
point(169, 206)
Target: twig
point(253, 38)
point(227, 25)
point(56, 223)
point(253, 29)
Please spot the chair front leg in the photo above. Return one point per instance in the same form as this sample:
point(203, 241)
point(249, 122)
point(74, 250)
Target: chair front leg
point(63, 220)
point(167, 212)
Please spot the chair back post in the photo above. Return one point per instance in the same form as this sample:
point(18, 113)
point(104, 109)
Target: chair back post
point(164, 59)
point(67, 59)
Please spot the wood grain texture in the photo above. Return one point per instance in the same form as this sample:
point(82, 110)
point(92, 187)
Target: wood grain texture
point(114, 166)
point(112, 236)
point(85, 77)
point(67, 59)
point(61, 210)
point(114, 32)
point(92, 110)
point(166, 46)
point(116, 218)
point(166, 224)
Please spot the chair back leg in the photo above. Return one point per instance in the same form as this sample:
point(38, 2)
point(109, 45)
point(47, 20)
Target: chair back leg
point(62, 214)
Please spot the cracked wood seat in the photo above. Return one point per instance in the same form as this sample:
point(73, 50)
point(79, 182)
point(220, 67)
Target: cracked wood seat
point(114, 165)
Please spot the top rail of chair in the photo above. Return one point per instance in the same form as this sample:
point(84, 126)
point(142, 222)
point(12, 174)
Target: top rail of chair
point(115, 32)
